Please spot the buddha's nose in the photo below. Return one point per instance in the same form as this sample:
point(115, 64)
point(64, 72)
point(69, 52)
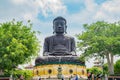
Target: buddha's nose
point(59, 26)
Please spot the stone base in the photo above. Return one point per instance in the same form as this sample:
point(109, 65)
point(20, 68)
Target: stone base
point(58, 66)
point(68, 71)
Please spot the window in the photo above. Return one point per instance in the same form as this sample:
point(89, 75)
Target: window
point(49, 71)
point(70, 71)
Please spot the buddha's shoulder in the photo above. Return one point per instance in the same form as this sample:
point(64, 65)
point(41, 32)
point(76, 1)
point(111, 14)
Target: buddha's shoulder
point(50, 37)
point(69, 37)
point(66, 36)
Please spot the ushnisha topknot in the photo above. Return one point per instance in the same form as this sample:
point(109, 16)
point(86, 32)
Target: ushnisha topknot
point(59, 17)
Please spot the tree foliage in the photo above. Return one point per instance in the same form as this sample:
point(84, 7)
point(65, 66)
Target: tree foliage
point(95, 70)
point(101, 38)
point(27, 74)
point(117, 67)
point(105, 68)
point(18, 43)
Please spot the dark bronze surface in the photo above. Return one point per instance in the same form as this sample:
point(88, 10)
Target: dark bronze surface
point(59, 44)
point(59, 60)
point(59, 48)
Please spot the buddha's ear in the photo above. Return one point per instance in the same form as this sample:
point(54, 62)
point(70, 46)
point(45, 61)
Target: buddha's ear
point(53, 29)
point(66, 26)
point(66, 29)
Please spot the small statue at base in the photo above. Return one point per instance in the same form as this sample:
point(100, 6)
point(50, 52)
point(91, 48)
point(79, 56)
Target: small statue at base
point(59, 44)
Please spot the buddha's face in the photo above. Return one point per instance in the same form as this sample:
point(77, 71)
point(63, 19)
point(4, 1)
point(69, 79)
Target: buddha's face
point(59, 26)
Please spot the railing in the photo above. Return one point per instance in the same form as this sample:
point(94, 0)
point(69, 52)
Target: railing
point(5, 78)
point(114, 78)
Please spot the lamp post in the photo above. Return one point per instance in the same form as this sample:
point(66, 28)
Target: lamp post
point(71, 72)
point(59, 72)
point(49, 72)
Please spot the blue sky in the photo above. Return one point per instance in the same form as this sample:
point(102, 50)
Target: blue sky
point(42, 12)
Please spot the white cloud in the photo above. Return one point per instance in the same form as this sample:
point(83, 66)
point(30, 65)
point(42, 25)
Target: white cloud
point(72, 1)
point(84, 16)
point(112, 6)
point(28, 16)
point(90, 5)
point(29, 9)
point(18, 1)
point(109, 11)
point(43, 6)
point(48, 6)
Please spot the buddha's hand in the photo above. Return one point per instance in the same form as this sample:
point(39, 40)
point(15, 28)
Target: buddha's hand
point(73, 53)
point(46, 54)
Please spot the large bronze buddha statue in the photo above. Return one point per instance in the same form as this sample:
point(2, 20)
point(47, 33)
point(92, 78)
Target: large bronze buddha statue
point(59, 56)
point(59, 44)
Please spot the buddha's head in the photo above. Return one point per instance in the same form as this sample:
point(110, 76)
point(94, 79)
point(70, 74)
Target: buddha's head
point(59, 25)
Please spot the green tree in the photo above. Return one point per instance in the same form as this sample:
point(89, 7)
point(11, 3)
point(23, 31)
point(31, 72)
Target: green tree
point(105, 68)
point(117, 67)
point(27, 74)
point(95, 70)
point(18, 43)
point(101, 38)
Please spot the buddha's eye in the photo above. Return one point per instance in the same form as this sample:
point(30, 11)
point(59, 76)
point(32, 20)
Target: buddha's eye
point(61, 24)
point(56, 23)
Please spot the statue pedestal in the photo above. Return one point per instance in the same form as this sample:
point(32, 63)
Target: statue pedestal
point(46, 60)
point(59, 66)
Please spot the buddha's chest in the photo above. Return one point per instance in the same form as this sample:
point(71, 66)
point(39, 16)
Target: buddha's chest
point(60, 41)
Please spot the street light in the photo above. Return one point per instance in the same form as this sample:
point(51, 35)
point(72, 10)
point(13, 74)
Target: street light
point(59, 72)
point(49, 72)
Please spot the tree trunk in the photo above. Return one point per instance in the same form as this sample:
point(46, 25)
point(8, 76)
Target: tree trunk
point(1, 72)
point(112, 64)
point(109, 57)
